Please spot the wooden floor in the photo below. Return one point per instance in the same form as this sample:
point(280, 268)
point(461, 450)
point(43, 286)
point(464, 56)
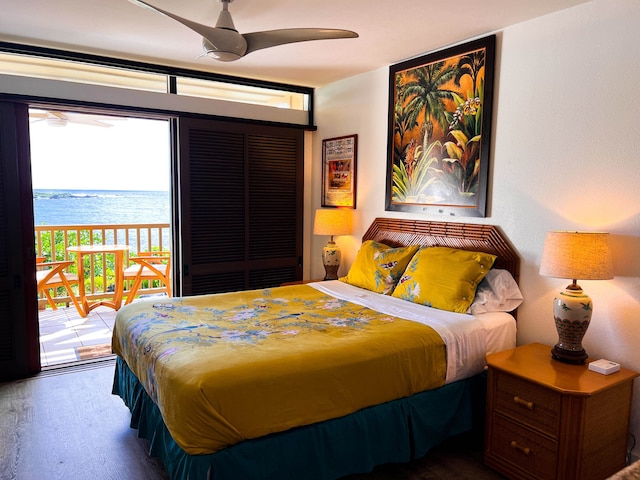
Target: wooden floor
point(65, 424)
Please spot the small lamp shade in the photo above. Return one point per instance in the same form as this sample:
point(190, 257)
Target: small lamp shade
point(576, 256)
point(337, 221)
point(332, 222)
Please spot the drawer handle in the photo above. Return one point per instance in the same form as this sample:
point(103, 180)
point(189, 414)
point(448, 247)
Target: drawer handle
point(525, 450)
point(522, 402)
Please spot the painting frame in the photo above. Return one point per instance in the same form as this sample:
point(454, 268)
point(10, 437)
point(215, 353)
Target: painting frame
point(339, 167)
point(439, 131)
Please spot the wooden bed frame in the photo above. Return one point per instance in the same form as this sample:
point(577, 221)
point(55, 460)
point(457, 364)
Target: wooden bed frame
point(396, 431)
point(397, 232)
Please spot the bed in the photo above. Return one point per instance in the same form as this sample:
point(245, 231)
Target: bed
point(320, 380)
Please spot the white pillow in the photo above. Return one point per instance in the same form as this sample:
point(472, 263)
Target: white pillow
point(498, 292)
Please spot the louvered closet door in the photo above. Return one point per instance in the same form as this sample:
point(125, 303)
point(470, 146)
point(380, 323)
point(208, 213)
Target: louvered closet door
point(19, 348)
point(241, 205)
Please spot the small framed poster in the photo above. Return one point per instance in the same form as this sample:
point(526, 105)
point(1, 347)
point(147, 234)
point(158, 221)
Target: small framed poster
point(339, 156)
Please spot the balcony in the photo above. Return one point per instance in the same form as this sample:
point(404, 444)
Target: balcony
point(66, 336)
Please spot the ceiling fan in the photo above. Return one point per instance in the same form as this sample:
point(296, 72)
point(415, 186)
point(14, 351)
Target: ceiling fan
point(224, 43)
point(61, 119)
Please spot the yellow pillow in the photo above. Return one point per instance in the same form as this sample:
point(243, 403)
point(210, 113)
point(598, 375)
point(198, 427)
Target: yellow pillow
point(444, 278)
point(378, 267)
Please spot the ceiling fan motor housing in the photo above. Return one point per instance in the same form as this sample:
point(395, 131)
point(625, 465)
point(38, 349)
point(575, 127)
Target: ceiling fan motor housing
point(229, 47)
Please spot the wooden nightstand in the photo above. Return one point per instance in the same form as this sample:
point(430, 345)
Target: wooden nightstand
point(552, 420)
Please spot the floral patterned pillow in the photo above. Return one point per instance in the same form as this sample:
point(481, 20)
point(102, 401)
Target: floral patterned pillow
point(444, 278)
point(378, 267)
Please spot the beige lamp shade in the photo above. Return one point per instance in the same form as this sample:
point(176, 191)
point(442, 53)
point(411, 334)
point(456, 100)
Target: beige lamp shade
point(335, 221)
point(577, 255)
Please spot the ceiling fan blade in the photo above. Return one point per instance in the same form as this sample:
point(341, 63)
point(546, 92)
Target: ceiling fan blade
point(208, 32)
point(273, 38)
point(46, 116)
point(88, 120)
point(55, 114)
point(60, 119)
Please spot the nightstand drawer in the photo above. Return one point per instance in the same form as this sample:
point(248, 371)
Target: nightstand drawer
point(528, 403)
point(525, 449)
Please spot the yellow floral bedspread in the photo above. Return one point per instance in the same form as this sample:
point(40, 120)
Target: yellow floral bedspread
point(229, 367)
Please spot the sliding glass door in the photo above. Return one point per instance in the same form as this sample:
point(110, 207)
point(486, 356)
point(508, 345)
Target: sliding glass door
point(237, 218)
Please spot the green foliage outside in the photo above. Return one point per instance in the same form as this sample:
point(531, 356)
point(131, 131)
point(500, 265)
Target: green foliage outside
point(103, 265)
point(61, 243)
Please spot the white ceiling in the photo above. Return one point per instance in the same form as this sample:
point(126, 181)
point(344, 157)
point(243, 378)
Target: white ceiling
point(389, 31)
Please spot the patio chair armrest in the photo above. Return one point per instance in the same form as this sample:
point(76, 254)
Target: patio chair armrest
point(63, 263)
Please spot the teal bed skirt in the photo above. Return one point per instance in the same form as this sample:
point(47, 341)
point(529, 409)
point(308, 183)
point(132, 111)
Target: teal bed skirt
point(393, 432)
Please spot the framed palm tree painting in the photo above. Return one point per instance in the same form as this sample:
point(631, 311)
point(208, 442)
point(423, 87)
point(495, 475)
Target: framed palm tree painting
point(440, 129)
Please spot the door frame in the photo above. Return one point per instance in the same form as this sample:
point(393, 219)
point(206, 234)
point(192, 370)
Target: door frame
point(21, 283)
point(27, 320)
point(20, 354)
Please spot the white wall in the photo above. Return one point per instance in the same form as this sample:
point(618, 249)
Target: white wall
point(565, 155)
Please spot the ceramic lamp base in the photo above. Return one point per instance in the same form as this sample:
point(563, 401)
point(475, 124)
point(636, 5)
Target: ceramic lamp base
point(331, 257)
point(572, 310)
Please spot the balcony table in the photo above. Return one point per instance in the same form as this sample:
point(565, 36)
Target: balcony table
point(118, 253)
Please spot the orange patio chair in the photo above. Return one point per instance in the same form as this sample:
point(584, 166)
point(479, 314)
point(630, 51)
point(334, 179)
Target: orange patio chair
point(51, 275)
point(148, 266)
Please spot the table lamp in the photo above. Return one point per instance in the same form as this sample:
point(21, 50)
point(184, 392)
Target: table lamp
point(332, 222)
point(574, 255)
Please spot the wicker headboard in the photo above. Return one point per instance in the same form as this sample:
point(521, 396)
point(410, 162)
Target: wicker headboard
point(482, 238)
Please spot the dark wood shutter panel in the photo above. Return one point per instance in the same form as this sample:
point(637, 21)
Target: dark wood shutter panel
point(217, 196)
point(272, 197)
point(271, 277)
point(218, 283)
point(241, 205)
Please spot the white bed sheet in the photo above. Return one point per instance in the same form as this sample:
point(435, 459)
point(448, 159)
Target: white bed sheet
point(468, 338)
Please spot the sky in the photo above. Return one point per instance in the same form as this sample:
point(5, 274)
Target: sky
point(132, 155)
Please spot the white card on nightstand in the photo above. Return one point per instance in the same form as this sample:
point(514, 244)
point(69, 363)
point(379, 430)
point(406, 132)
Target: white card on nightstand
point(604, 367)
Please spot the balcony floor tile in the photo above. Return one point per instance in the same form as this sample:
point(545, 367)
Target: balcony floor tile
point(63, 330)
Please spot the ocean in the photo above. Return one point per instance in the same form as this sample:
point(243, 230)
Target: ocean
point(94, 207)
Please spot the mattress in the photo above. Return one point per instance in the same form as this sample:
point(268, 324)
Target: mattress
point(468, 338)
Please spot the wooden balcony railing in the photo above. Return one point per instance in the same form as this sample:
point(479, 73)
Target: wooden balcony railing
point(51, 242)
